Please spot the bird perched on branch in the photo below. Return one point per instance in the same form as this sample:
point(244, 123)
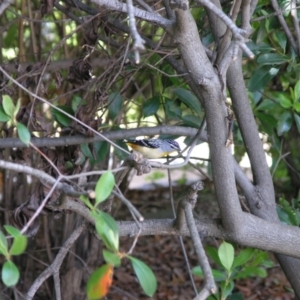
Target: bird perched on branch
point(154, 148)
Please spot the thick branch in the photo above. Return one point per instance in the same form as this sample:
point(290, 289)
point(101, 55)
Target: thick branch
point(265, 202)
point(112, 135)
point(203, 74)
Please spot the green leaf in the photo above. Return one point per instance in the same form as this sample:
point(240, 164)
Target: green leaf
point(3, 244)
point(3, 116)
point(145, 276)
point(76, 101)
point(19, 245)
point(266, 104)
point(281, 39)
point(173, 110)
point(8, 106)
point(102, 150)
point(23, 133)
point(218, 275)
point(13, 231)
point(227, 288)
point(115, 101)
point(86, 201)
point(107, 229)
point(151, 106)
point(112, 258)
point(19, 242)
point(297, 91)
point(188, 99)
point(297, 120)
point(212, 252)
point(250, 271)
point(272, 59)
point(104, 187)
point(297, 106)
point(244, 256)
point(191, 120)
point(99, 282)
point(120, 154)
point(10, 273)
point(60, 117)
point(85, 149)
point(284, 123)
point(268, 122)
point(226, 255)
point(18, 105)
point(261, 77)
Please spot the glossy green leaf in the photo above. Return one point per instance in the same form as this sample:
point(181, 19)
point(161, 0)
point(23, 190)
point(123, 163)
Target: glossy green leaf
point(226, 255)
point(76, 101)
point(99, 282)
point(10, 36)
point(13, 231)
point(85, 149)
point(266, 104)
point(173, 110)
point(120, 154)
point(112, 258)
point(284, 123)
point(191, 120)
point(86, 201)
point(281, 39)
point(250, 271)
point(18, 105)
point(212, 252)
point(244, 256)
point(259, 47)
point(115, 101)
point(62, 118)
point(285, 100)
point(236, 296)
point(107, 229)
point(268, 122)
point(19, 241)
point(297, 106)
point(104, 186)
point(10, 273)
point(261, 77)
point(3, 244)
point(272, 59)
point(8, 106)
point(188, 99)
point(218, 275)
point(23, 133)
point(145, 276)
point(297, 121)
point(226, 288)
point(297, 91)
point(3, 116)
point(102, 150)
point(151, 106)
point(19, 245)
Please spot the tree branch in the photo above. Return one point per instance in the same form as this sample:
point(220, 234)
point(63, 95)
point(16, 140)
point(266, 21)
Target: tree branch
point(154, 18)
point(55, 266)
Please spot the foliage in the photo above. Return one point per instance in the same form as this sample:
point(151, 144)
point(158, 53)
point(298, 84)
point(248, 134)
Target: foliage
point(10, 273)
point(72, 74)
point(101, 279)
point(247, 263)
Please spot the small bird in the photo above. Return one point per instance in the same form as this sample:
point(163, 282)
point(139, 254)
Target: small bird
point(154, 148)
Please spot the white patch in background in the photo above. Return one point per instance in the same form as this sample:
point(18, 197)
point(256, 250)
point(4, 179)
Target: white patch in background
point(189, 175)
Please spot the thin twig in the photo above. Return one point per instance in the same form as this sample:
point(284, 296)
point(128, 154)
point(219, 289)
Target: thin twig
point(55, 266)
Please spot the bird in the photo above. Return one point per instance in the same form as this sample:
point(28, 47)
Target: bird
point(153, 148)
